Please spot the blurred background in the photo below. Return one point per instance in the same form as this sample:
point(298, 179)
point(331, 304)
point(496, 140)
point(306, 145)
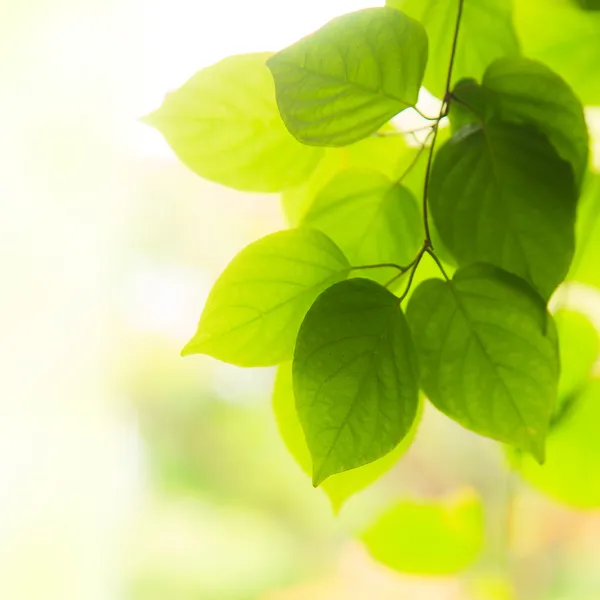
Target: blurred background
point(126, 472)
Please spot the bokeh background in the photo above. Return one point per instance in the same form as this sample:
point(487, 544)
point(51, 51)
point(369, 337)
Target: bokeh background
point(126, 472)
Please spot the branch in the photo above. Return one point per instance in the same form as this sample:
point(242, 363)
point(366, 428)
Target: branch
point(443, 113)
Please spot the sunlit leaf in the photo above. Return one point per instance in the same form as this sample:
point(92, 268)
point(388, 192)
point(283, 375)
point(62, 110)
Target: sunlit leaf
point(389, 155)
point(338, 487)
point(225, 126)
point(520, 90)
point(255, 308)
point(564, 37)
point(570, 473)
point(501, 194)
point(355, 377)
point(585, 267)
point(371, 218)
point(488, 354)
point(579, 346)
point(486, 33)
point(429, 538)
point(343, 82)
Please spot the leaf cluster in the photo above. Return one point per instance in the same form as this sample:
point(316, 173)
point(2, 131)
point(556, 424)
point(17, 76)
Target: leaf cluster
point(497, 197)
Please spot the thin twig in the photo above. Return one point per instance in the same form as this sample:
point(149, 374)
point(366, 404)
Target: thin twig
point(415, 160)
point(401, 132)
point(443, 113)
point(425, 116)
point(382, 265)
point(412, 275)
point(437, 262)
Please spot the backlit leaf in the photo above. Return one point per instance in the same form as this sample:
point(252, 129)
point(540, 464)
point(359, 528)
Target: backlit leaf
point(343, 82)
point(579, 345)
point(585, 267)
point(564, 37)
point(486, 33)
point(255, 308)
point(488, 354)
point(338, 487)
point(429, 538)
point(388, 155)
point(225, 126)
point(570, 473)
point(371, 218)
point(355, 377)
point(501, 194)
point(519, 90)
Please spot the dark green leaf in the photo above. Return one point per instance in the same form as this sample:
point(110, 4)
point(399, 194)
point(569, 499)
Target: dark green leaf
point(338, 487)
point(488, 354)
point(255, 308)
point(429, 538)
point(388, 155)
point(519, 90)
point(585, 267)
point(371, 218)
point(344, 81)
point(486, 33)
point(564, 37)
point(501, 194)
point(570, 473)
point(225, 126)
point(590, 4)
point(355, 377)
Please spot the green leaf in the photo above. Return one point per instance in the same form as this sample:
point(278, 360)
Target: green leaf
point(590, 4)
point(488, 354)
point(355, 377)
point(343, 82)
point(429, 538)
point(371, 218)
point(500, 194)
point(579, 346)
point(519, 90)
point(570, 473)
point(587, 250)
point(486, 33)
point(388, 155)
point(564, 37)
point(338, 487)
point(255, 308)
point(225, 126)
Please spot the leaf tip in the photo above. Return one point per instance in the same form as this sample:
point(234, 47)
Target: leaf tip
point(538, 449)
point(148, 119)
point(319, 476)
point(188, 349)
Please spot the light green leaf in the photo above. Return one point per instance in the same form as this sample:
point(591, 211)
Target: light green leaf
point(429, 538)
point(564, 37)
point(225, 126)
point(579, 345)
point(338, 487)
point(486, 33)
point(371, 218)
point(519, 90)
point(255, 308)
point(500, 194)
point(355, 377)
point(488, 354)
point(343, 82)
point(389, 155)
point(587, 250)
point(570, 473)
